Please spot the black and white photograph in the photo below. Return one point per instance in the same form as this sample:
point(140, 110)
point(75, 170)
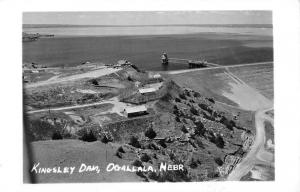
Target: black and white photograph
point(144, 95)
point(165, 96)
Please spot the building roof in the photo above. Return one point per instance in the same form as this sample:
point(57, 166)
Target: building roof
point(136, 109)
point(154, 75)
point(121, 62)
point(147, 90)
point(157, 75)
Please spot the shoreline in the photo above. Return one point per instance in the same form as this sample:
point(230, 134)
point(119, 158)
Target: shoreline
point(149, 35)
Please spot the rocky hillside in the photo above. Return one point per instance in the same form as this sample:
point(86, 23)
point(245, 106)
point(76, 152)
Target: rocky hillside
point(182, 127)
point(189, 129)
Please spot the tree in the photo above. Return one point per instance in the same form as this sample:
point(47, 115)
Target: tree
point(229, 124)
point(182, 96)
point(184, 129)
point(199, 129)
point(187, 93)
point(177, 100)
point(56, 136)
point(145, 157)
point(88, 136)
point(219, 161)
point(137, 163)
point(150, 133)
point(194, 111)
point(134, 142)
point(121, 150)
point(196, 94)
point(162, 143)
point(193, 164)
point(211, 100)
point(202, 106)
point(219, 141)
point(175, 108)
point(95, 82)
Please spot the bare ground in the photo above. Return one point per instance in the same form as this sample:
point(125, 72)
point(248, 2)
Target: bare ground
point(89, 74)
point(74, 152)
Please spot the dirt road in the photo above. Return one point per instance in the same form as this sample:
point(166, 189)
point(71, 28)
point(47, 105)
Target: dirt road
point(250, 99)
point(117, 106)
point(218, 67)
point(90, 74)
point(248, 162)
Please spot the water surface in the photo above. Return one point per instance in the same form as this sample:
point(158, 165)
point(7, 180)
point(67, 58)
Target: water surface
point(143, 46)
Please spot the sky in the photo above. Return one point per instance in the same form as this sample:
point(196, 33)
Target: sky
point(149, 18)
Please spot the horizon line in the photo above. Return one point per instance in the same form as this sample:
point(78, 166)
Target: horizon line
point(142, 25)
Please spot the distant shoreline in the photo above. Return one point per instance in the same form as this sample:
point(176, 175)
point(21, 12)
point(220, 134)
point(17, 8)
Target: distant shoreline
point(172, 25)
point(156, 35)
point(145, 30)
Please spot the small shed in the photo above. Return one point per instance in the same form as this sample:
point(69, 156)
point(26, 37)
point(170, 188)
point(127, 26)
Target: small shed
point(123, 62)
point(137, 83)
point(156, 76)
point(135, 111)
point(149, 90)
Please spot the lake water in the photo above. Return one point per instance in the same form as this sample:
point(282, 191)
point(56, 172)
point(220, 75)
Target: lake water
point(143, 46)
point(145, 30)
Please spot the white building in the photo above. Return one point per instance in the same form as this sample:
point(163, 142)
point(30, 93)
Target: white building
point(157, 76)
point(137, 83)
point(135, 111)
point(153, 75)
point(145, 91)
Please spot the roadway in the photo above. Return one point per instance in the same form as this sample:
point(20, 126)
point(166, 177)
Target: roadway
point(258, 146)
point(68, 107)
point(218, 67)
point(90, 74)
point(118, 106)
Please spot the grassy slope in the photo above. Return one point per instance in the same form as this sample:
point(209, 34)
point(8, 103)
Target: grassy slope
point(258, 76)
point(213, 82)
point(73, 153)
point(210, 83)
